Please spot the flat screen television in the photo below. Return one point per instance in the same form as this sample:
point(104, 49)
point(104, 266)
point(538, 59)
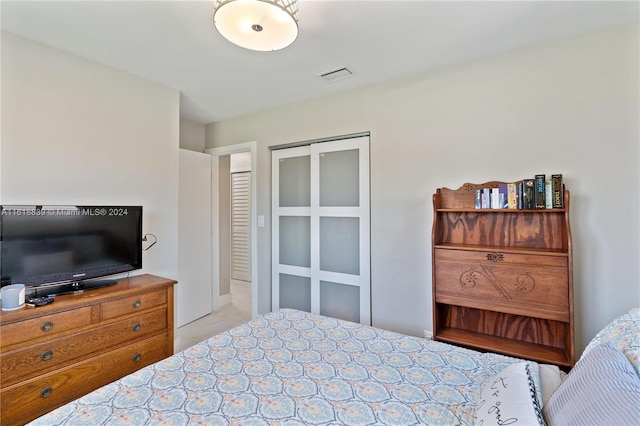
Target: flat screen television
point(63, 249)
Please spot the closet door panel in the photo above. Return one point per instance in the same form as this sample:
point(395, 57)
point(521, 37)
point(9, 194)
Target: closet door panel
point(320, 229)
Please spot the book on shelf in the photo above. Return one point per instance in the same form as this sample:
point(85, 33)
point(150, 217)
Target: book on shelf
point(528, 194)
point(512, 195)
point(557, 188)
point(540, 191)
point(486, 198)
point(495, 198)
point(478, 198)
point(548, 195)
point(520, 196)
point(502, 191)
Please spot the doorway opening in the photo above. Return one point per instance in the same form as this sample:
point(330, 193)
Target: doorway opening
point(235, 262)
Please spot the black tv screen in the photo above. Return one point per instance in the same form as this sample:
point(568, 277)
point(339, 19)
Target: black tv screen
point(60, 244)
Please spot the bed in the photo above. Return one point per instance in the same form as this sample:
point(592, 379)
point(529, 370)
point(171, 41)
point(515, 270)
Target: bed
point(295, 368)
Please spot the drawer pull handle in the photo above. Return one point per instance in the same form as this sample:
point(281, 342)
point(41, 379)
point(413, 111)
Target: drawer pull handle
point(137, 304)
point(46, 326)
point(137, 327)
point(46, 392)
point(46, 355)
point(137, 357)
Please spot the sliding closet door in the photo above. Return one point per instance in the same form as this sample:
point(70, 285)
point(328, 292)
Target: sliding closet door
point(320, 229)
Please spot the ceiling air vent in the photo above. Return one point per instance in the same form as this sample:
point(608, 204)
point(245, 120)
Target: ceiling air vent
point(335, 75)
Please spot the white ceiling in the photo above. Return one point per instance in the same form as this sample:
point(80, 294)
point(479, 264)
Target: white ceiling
point(174, 43)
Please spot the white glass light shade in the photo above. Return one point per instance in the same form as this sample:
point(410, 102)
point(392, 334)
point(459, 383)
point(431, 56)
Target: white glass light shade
point(261, 25)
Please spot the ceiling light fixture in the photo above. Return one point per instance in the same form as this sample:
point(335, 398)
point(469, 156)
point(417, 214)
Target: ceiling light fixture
point(261, 25)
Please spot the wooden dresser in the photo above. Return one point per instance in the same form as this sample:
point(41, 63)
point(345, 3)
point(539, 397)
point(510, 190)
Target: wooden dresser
point(53, 354)
point(502, 278)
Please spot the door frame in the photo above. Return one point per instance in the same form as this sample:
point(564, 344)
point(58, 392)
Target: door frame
point(215, 153)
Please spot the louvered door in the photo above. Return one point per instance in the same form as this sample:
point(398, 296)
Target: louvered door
point(240, 229)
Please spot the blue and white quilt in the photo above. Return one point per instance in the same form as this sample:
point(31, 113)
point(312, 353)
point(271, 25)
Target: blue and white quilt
point(295, 368)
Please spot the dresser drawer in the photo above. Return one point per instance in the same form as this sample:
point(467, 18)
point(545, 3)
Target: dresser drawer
point(129, 305)
point(32, 398)
point(22, 364)
point(45, 327)
point(522, 284)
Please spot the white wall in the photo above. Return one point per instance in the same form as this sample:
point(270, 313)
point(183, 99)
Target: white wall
point(77, 132)
point(569, 106)
point(240, 162)
point(191, 135)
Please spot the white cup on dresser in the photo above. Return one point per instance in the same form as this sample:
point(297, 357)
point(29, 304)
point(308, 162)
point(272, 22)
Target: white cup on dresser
point(12, 297)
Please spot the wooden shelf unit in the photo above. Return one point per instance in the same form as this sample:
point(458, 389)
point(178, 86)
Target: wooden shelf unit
point(502, 278)
point(53, 354)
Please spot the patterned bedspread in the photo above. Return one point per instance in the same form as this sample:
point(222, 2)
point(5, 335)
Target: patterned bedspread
point(295, 368)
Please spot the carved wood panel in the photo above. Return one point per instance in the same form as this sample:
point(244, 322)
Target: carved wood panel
point(523, 284)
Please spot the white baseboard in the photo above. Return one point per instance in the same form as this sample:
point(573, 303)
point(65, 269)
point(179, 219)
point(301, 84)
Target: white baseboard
point(225, 299)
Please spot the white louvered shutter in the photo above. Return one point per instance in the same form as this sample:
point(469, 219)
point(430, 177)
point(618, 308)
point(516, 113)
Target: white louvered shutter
point(240, 226)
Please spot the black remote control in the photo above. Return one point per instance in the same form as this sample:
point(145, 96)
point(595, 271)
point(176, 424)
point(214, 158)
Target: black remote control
point(39, 301)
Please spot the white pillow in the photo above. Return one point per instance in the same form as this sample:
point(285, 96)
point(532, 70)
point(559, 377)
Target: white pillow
point(550, 378)
point(509, 398)
point(602, 389)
